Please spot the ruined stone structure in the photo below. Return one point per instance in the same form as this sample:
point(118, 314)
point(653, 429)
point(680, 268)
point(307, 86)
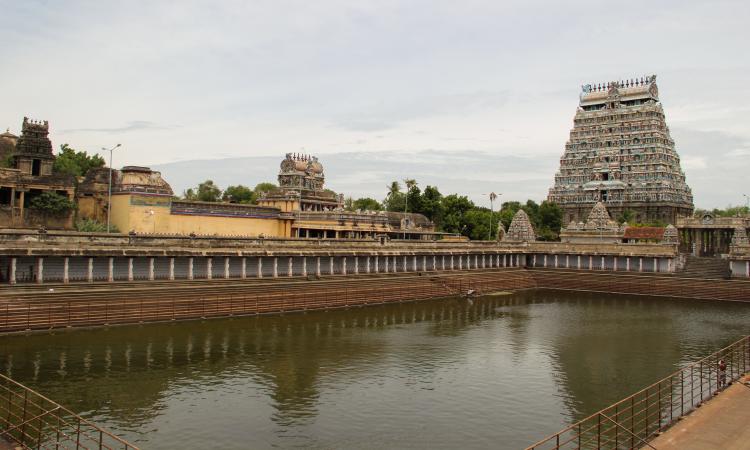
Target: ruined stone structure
point(30, 159)
point(620, 153)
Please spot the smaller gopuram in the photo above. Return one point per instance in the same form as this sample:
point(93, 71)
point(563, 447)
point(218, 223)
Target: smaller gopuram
point(520, 229)
point(598, 228)
point(301, 181)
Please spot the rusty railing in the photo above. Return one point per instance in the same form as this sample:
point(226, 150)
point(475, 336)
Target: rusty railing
point(634, 421)
point(31, 420)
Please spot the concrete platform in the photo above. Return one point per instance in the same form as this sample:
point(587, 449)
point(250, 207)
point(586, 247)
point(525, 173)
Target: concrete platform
point(723, 423)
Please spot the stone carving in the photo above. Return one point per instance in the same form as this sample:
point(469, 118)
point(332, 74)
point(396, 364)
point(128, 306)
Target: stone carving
point(520, 229)
point(500, 231)
point(624, 158)
point(670, 235)
point(739, 238)
point(599, 219)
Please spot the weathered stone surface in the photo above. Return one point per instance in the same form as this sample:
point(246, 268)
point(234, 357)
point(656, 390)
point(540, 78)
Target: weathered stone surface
point(670, 235)
point(520, 229)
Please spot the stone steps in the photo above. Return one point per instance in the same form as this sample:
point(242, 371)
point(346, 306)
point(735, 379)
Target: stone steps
point(703, 267)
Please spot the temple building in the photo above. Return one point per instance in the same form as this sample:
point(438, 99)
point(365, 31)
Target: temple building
point(620, 153)
point(29, 160)
point(300, 207)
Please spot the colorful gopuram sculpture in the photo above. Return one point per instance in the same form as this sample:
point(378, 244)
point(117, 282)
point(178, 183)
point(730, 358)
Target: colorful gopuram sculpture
point(620, 153)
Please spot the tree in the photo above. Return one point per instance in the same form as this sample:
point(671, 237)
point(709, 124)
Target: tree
point(238, 194)
point(626, 216)
point(432, 205)
point(366, 204)
point(456, 207)
point(394, 199)
point(264, 187)
point(189, 194)
point(51, 203)
point(550, 221)
point(208, 192)
point(77, 164)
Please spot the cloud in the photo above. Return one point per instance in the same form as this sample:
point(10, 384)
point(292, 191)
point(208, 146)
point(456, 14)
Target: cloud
point(137, 125)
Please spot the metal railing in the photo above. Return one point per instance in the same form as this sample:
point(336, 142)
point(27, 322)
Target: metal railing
point(31, 420)
point(634, 421)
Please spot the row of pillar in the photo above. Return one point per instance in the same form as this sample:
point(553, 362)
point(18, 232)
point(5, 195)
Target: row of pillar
point(372, 264)
point(554, 261)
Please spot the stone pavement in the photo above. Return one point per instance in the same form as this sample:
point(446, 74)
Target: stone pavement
point(723, 423)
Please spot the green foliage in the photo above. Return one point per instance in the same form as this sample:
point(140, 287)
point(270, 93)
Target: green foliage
point(93, 226)
point(626, 216)
point(77, 164)
point(7, 162)
point(366, 204)
point(550, 217)
point(238, 194)
point(729, 211)
point(264, 187)
point(432, 205)
point(395, 200)
point(189, 194)
point(52, 203)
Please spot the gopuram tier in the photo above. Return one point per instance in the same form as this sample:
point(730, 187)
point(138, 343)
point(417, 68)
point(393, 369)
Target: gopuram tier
point(620, 153)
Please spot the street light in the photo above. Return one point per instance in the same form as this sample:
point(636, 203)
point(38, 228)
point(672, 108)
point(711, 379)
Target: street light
point(109, 197)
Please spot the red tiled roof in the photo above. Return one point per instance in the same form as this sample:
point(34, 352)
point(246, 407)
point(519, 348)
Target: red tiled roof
point(644, 233)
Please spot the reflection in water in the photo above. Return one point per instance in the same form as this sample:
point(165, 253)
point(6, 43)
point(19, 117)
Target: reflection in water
point(497, 370)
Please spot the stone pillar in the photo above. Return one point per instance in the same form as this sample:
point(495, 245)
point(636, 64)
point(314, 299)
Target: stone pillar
point(209, 268)
point(627, 264)
point(317, 266)
point(747, 269)
point(171, 268)
point(367, 265)
point(290, 267)
point(330, 265)
point(533, 260)
point(66, 270)
point(614, 263)
point(260, 267)
point(669, 265)
point(130, 269)
point(395, 265)
point(110, 270)
point(460, 262)
point(356, 265)
point(226, 267)
point(243, 268)
point(377, 268)
point(545, 261)
point(476, 261)
point(40, 270)
point(386, 264)
point(275, 267)
point(505, 260)
point(434, 263)
point(555, 261)
point(484, 261)
point(640, 264)
point(451, 262)
point(343, 265)
point(603, 266)
point(90, 271)
point(656, 264)
point(414, 263)
point(579, 262)
point(442, 261)
point(191, 275)
point(424, 263)
point(12, 275)
point(591, 262)
point(304, 266)
point(567, 261)
point(151, 269)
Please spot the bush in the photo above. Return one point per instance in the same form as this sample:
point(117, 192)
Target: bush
point(52, 203)
point(93, 226)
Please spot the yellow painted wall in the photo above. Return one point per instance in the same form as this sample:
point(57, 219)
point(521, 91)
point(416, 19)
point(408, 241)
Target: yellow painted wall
point(283, 205)
point(151, 214)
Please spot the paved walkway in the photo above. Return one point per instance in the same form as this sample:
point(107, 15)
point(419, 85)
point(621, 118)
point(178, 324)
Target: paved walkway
point(722, 423)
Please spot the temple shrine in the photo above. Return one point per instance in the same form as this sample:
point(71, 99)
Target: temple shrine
point(620, 153)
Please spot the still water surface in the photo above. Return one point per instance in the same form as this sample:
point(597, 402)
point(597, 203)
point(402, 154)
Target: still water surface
point(499, 371)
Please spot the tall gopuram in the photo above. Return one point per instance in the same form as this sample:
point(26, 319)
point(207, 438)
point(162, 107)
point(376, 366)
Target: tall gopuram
point(620, 153)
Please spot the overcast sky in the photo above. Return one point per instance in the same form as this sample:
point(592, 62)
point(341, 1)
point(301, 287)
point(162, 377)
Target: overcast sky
point(177, 81)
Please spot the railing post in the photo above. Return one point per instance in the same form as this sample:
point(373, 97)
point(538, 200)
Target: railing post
point(78, 434)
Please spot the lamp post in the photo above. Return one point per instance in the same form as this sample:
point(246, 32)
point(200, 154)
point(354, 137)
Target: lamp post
point(109, 196)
